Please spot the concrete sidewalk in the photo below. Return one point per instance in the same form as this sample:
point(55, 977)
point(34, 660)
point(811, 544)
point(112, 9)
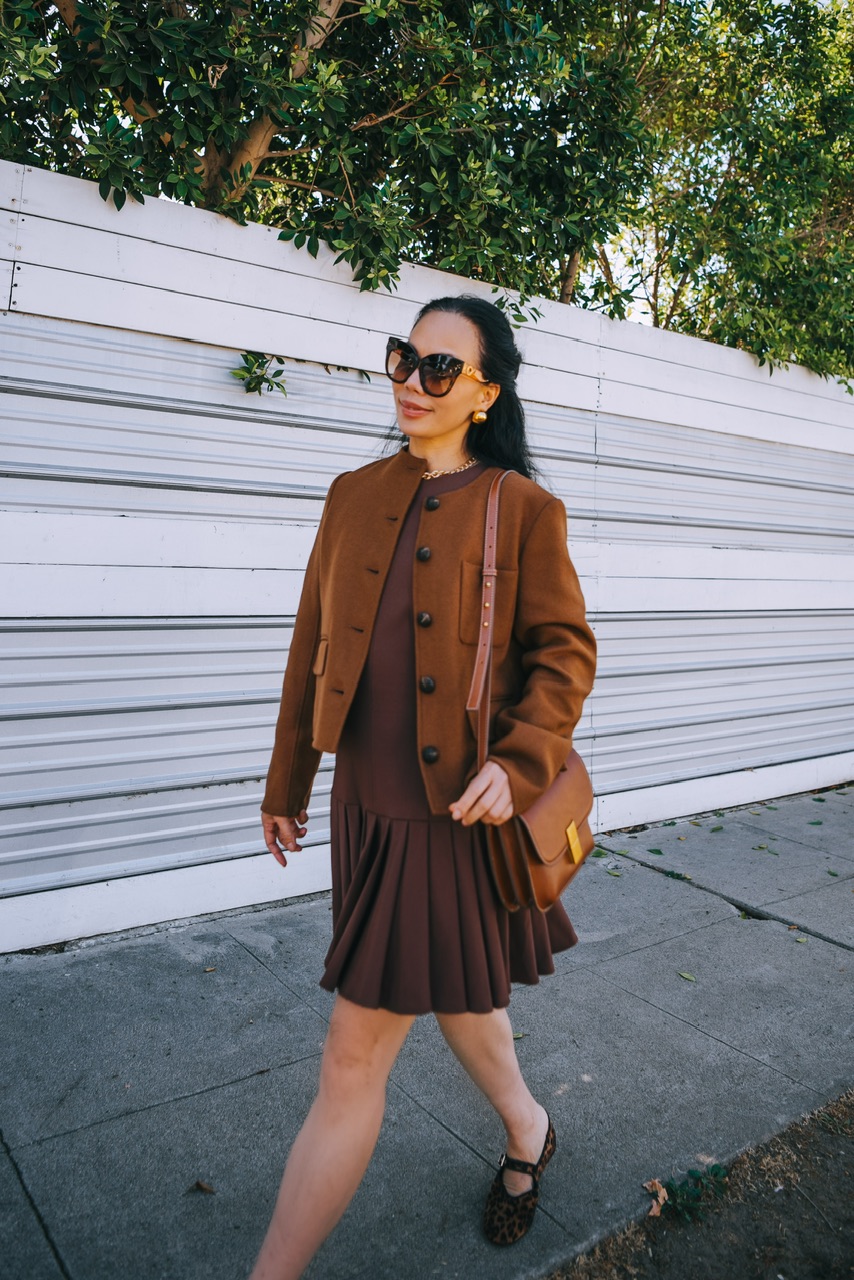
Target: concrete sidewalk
point(135, 1067)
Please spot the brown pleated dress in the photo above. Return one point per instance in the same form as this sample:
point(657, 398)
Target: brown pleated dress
point(417, 924)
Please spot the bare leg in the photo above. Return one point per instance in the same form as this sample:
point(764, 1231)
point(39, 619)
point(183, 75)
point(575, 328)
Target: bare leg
point(483, 1043)
point(335, 1144)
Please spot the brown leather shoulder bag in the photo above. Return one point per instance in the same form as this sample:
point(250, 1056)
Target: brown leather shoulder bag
point(535, 854)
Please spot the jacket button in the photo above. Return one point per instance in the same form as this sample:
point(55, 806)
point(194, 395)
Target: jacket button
point(425, 619)
point(432, 503)
point(430, 754)
point(423, 553)
point(427, 684)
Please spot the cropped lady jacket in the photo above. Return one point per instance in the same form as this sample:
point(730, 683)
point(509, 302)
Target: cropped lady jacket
point(544, 651)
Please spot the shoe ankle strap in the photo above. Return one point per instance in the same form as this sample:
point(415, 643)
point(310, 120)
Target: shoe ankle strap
point(518, 1166)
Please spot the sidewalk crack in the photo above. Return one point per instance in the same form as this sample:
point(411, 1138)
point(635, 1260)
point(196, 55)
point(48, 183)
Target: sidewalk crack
point(704, 1031)
point(749, 909)
point(166, 1102)
point(37, 1214)
point(296, 995)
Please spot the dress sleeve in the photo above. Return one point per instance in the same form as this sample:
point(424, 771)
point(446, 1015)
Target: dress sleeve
point(530, 737)
point(295, 760)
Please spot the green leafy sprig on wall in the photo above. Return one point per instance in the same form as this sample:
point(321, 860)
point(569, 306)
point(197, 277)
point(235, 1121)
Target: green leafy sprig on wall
point(257, 374)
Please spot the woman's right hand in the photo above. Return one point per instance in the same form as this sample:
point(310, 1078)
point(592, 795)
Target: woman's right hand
point(283, 832)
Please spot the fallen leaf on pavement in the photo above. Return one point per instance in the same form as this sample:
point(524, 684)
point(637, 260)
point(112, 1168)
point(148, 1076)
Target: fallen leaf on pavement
point(655, 1188)
point(689, 977)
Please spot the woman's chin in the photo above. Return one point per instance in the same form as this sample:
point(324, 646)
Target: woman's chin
point(412, 428)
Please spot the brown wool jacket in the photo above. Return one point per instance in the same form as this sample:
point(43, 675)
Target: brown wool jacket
point(544, 655)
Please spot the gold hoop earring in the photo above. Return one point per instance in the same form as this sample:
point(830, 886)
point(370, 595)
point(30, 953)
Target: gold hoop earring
point(479, 415)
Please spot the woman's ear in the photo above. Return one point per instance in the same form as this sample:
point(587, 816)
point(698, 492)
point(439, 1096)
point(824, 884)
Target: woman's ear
point(489, 394)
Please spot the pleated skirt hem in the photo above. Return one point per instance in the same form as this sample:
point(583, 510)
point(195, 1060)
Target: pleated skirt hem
point(417, 925)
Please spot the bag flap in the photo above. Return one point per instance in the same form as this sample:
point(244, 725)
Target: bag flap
point(568, 799)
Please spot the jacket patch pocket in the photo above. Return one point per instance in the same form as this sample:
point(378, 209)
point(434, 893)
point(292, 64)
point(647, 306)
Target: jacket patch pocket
point(320, 657)
point(503, 607)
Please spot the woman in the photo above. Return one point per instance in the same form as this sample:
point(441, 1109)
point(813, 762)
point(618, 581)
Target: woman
point(379, 669)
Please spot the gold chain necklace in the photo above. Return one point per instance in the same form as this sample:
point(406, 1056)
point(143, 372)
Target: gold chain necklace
point(433, 475)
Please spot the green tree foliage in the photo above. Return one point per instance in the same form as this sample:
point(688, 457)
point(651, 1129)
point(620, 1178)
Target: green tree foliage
point(745, 231)
point(480, 137)
point(687, 159)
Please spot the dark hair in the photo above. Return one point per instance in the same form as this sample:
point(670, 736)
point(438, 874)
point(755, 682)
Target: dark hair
point(501, 440)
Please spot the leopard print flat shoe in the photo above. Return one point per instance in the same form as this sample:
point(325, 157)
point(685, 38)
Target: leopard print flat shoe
point(507, 1218)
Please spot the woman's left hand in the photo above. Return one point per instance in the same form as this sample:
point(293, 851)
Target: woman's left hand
point(487, 798)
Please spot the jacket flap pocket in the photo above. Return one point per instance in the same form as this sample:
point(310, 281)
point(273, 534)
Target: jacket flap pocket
point(320, 657)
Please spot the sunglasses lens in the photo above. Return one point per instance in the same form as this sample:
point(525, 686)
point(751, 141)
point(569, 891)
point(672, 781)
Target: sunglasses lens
point(399, 363)
point(438, 374)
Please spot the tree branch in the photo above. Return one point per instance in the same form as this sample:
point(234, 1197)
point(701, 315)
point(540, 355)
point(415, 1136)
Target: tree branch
point(251, 151)
point(316, 33)
point(254, 148)
point(662, 5)
point(570, 276)
point(67, 10)
point(677, 292)
point(305, 186)
point(286, 155)
point(347, 180)
point(369, 121)
point(602, 259)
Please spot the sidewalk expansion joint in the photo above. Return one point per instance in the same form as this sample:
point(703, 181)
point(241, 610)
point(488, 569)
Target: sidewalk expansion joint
point(34, 1208)
point(166, 1102)
point(302, 1000)
point(704, 1031)
point(754, 912)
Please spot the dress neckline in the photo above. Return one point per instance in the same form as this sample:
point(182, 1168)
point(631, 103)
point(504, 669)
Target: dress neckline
point(450, 482)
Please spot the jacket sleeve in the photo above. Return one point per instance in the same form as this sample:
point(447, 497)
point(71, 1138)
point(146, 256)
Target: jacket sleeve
point(530, 738)
point(294, 762)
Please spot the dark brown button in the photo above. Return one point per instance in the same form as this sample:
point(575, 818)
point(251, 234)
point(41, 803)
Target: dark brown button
point(427, 684)
point(423, 553)
point(429, 754)
point(425, 619)
point(432, 503)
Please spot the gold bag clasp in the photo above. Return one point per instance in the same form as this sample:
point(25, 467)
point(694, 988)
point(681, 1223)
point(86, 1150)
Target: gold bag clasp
point(572, 840)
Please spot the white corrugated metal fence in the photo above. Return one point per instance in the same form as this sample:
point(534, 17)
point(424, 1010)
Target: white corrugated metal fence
point(155, 522)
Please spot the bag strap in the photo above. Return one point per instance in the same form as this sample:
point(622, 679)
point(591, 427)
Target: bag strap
point(479, 693)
